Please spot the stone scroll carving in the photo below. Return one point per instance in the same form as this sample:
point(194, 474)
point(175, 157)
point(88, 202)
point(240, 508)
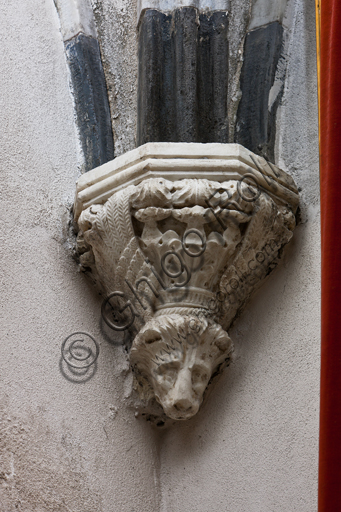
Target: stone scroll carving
point(178, 236)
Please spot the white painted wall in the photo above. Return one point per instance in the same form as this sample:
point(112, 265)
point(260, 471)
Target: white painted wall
point(78, 447)
point(253, 446)
point(116, 22)
point(62, 446)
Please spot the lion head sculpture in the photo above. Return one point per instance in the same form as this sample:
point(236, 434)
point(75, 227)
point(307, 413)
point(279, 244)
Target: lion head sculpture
point(177, 356)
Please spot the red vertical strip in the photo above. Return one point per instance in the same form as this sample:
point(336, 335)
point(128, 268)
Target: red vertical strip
point(330, 168)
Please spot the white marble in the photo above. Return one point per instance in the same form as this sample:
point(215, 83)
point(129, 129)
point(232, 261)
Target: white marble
point(76, 16)
point(178, 160)
point(181, 235)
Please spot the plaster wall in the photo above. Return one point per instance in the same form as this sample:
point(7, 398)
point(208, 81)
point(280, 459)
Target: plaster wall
point(78, 447)
point(253, 446)
point(63, 446)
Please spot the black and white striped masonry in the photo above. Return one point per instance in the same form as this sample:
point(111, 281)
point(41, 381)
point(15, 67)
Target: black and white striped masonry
point(87, 81)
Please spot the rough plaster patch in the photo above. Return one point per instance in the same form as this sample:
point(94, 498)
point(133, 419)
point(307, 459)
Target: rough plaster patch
point(266, 11)
point(238, 22)
point(116, 27)
point(39, 475)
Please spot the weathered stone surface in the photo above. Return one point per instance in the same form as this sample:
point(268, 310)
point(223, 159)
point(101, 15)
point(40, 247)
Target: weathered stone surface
point(265, 12)
point(170, 5)
point(91, 100)
point(177, 161)
point(178, 257)
point(183, 76)
point(256, 117)
point(76, 16)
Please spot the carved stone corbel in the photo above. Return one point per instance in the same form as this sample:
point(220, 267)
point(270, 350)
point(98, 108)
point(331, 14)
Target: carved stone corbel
point(178, 236)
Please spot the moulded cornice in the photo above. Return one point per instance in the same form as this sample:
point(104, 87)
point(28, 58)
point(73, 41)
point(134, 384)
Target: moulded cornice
point(174, 161)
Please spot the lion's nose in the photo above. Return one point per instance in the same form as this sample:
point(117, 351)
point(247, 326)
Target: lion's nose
point(183, 405)
point(182, 391)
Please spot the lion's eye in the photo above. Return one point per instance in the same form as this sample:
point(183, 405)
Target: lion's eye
point(170, 375)
point(199, 376)
point(167, 374)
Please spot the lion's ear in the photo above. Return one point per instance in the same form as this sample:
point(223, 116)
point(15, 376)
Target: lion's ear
point(151, 335)
point(223, 341)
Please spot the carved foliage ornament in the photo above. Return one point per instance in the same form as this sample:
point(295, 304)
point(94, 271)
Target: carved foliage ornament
point(178, 256)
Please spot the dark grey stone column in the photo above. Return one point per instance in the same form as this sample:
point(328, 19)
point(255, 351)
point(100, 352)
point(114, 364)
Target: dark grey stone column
point(91, 100)
point(183, 76)
point(256, 121)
